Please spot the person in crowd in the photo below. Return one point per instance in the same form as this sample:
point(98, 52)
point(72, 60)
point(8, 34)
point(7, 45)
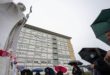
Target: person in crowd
point(59, 73)
point(26, 72)
point(76, 70)
point(94, 71)
point(49, 71)
point(37, 73)
point(101, 67)
point(107, 57)
point(46, 71)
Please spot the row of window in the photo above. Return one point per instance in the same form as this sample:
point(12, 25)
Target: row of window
point(36, 61)
point(35, 32)
point(43, 56)
point(37, 46)
point(41, 42)
point(38, 33)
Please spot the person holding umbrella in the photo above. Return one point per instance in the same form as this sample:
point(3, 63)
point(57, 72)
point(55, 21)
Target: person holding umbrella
point(60, 69)
point(37, 70)
point(26, 72)
point(101, 29)
point(76, 70)
point(59, 73)
point(49, 71)
point(96, 56)
point(37, 73)
point(107, 57)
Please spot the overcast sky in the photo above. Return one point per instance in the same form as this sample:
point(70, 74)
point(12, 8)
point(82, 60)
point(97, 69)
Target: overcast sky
point(69, 17)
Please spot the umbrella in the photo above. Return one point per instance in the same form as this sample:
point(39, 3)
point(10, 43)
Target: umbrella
point(92, 54)
point(37, 70)
point(20, 67)
point(49, 71)
point(102, 25)
point(60, 68)
point(75, 62)
point(4, 53)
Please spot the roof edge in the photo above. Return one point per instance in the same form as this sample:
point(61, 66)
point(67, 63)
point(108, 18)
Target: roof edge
point(46, 31)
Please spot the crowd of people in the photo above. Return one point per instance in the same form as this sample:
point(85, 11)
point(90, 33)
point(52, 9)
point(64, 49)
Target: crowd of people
point(49, 71)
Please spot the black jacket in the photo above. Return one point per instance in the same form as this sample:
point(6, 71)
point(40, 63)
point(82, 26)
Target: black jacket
point(102, 66)
point(76, 71)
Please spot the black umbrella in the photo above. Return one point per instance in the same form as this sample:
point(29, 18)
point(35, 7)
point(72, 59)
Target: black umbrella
point(92, 54)
point(75, 62)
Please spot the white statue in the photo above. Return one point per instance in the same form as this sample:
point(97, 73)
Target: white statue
point(11, 21)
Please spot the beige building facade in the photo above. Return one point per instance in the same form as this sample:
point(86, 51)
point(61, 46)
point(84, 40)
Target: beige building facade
point(38, 47)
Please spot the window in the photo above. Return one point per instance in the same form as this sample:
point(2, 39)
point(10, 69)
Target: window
point(20, 39)
point(23, 29)
point(63, 52)
point(30, 56)
point(30, 53)
point(27, 35)
point(25, 40)
point(43, 61)
point(49, 44)
point(21, 34)
point(22, 55)
point(44, 44)
point(55, 56)
point(49, 36)
point(38, 48)
point(33, 37)
point(60, 62)
point(39, 43)
point(67, 52)
point(37, 55)
point(21, 60)
point(22, 52)
point(49, 61)
point(29, 60)
point(39, 33)
point(34, 32)
point(44, 49)
point(22, 46)
point(55, 62)
point(44, 39)
point(21, 63)
point(29, 64)
point(31, 47)
point(44, 35)
point(59, 52)
point(50, 56)
point(55, 51)
point(32, 42)
point(28, 30)
point(44, 55)
point(50, 50)
point(36, 61)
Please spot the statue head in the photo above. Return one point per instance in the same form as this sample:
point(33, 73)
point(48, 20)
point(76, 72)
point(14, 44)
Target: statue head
point(21, 6)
